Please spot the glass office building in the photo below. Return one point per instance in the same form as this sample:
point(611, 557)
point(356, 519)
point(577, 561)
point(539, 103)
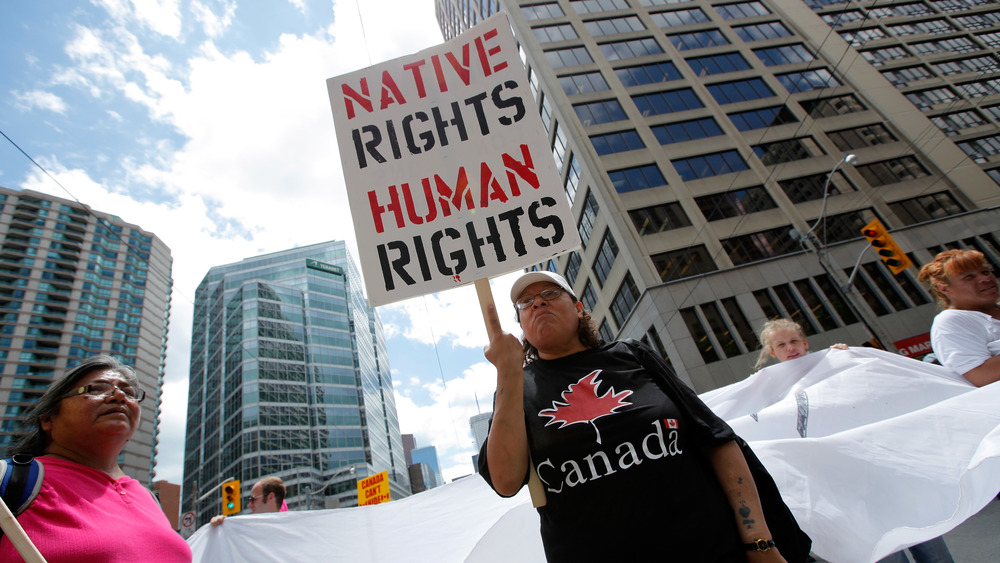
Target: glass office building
point(75, 283)
point(698, 139)
point(289, 377)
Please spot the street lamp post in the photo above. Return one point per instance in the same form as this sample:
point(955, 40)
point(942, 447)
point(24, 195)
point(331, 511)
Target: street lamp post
point(351, 470)
point(810, 243)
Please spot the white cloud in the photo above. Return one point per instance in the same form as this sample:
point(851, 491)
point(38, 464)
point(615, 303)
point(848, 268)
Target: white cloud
point(211, 23)
point(444, 422)
point(39, 99)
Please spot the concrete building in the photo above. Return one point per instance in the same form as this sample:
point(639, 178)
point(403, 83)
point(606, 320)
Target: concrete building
point(289, 377)
point(169, 495)
point(698, 140)
point(480, 426)
point(75, 283)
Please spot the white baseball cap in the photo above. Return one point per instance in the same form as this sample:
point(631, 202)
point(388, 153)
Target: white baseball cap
point(534, 277)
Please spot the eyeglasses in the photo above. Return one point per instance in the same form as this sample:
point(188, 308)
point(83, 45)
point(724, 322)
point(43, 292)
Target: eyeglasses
point(253, 499)
point(546, 294)
point(104, 389)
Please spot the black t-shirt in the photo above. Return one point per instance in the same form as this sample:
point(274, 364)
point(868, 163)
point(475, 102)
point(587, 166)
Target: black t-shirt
point(624, 468)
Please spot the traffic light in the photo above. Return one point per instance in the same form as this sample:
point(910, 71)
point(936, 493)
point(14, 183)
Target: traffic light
point(887, 249)
point(231, 503)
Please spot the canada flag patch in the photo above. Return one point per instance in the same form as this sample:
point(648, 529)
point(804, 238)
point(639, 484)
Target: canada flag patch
point(670, 422)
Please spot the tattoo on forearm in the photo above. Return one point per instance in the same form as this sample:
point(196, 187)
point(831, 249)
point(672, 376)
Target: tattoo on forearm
point(739, 480)
point(744, 511)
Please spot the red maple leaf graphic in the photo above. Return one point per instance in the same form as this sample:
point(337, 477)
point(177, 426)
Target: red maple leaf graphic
point(583, 404)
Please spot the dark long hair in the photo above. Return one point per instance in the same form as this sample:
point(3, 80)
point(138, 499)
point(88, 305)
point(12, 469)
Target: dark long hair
point(586, 329)
point(32, 440)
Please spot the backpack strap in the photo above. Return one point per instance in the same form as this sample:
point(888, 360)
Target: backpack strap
point(20, 480)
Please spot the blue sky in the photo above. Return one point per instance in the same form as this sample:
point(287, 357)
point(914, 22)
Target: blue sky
point(207, 123)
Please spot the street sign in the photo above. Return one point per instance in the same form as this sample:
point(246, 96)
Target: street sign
point(187, 524)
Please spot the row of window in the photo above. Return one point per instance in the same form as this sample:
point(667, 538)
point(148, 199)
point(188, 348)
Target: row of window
point(550, 10)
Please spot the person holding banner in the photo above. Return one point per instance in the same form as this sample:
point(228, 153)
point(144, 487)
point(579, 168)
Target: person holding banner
point(266, 495)
point(965, 336)
point(87, 509)
point(785, 340)
point(632, 462)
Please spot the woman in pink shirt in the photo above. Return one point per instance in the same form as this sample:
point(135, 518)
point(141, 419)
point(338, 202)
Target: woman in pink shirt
point(88, 509)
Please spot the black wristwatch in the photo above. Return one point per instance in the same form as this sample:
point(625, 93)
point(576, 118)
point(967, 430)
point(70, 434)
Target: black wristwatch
point(761, 545)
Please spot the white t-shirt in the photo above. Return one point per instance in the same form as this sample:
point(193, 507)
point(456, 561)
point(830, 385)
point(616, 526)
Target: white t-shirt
point(963, 340)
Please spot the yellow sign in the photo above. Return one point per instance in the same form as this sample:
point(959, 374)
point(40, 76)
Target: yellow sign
point(374, 489)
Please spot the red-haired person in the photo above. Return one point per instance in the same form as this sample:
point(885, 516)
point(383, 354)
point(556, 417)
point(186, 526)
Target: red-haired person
point(965, 336)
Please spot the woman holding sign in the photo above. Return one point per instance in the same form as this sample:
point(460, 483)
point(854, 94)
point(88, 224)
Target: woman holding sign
point(632, 462)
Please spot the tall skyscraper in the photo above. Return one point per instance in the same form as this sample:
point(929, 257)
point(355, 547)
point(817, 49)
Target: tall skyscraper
point(480, 425)
point(289, 377)
point(428, 456)
point(75, 283)
point(705, 149)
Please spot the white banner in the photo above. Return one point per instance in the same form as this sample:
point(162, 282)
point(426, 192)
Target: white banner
point(872, 451)
point(449, 172)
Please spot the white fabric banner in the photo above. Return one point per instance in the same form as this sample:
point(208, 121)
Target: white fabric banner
point(872, 451)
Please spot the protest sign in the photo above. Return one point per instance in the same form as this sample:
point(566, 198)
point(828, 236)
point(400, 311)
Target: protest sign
point(448, 169)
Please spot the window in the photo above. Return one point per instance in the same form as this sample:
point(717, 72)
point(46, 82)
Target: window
point(619, 141)
point(546, 112)
point(980, 88)
point(952, 123)
point(573, 267)
point(829, 107)
point(992, 40)
point(588, 297)
point(717, 324)
point(558, 32)
point(653, 340)
point(571, 56)
point(786, 305)
point(572, 178)
point(952, 45)
point(611, 26)
point(740, 91)
point(914, 9)
point(605, 331)
point(683, 263)
point(734, 203)
point(926, 208)
point(808, 188)
point(860, 37)
point(638, 178)
point(698, 39)
point(878, 57)
point(741, 10)
point(788, 150)
point(604, 111)
point(709, 165)
point(892, 171)
point(630, 49)
point(587, 219)
point(595, 6)
point(583, 83)
point(901, 77)
point(979, 21)
point(761, 31)
point(982, 148)
point(559, 147)
point(842, 18)
point(975, 64)
point(659, 218)
point(844, 226)
point(807, 80)
point(762, 118)
point(815, 305)
point(647, 74)
point(659, 103)
point(648, 3)
point(605, 258)
point(624, 300)
point(835, 298)
point(784, 55)
point(920, 28)
point(679, 17)
point(858, 137)
point(758, 246)
point(686, 130)
point(542, 11)
point(993, 111)
point(924, 99)
point(718, 64)
point(700, 336)
point(739, 321)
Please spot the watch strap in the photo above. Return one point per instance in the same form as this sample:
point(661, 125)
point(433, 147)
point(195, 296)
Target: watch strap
point(761, 545)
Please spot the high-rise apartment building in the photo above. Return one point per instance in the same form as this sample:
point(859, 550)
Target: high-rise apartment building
point(698, 140)
point(289, 377)
point(75, 283)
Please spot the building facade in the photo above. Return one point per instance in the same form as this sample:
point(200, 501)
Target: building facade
point(698, 140)
point(289, 377)
point(75, 283)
